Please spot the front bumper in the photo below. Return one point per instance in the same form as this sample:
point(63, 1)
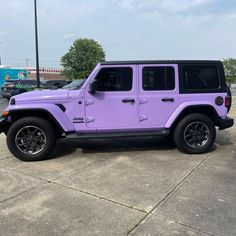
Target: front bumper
point(3, 124)
point(225, 123)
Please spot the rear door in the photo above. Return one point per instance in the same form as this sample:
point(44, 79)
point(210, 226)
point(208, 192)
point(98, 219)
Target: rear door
point(158, 93)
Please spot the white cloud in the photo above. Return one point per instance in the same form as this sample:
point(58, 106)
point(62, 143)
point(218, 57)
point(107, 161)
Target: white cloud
point(127, 29)
point(3, 33)
point(179, 6)
point(168, 6)
point(69, 36)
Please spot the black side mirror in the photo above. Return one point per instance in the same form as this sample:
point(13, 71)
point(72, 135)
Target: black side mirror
point(93, 87)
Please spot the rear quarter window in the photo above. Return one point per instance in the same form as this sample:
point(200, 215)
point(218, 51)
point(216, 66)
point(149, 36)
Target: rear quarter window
point(200, 78)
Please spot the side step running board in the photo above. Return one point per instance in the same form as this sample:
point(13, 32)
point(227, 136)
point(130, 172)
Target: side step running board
point(79, 136)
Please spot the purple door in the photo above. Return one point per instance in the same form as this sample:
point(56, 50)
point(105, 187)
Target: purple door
point(114, 106)
point(158, 94)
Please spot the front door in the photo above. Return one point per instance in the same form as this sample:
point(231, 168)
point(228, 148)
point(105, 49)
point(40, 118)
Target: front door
point(158, 94)
point(114, 106)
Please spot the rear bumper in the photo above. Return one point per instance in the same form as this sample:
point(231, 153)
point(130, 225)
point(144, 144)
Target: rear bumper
point(225, 123)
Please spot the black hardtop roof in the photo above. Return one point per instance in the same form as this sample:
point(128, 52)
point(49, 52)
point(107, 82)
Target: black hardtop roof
point(160, 62)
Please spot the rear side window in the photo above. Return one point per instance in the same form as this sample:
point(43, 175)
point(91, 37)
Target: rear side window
point(200, 77)
point(158, 78)
point(115, 79)
point(28, 82)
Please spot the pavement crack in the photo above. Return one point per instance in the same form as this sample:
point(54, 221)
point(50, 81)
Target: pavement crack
point(173, 189)
point(185, 225)
point(36, 177)
point(101, 197)
point(19, 194)
point(71, 172)
point(4, 158)
point(181, 181)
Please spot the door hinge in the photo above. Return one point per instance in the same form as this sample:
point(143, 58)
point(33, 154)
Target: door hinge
point(90, 119)
point(89, 102)
point(143, 100)
point(143, 117)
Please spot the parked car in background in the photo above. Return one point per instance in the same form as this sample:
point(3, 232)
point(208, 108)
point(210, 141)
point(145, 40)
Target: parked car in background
point(56, 83)
point(14, 87)
point(233, 86)
point(74, 85)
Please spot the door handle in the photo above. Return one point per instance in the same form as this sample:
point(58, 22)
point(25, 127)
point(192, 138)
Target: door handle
point(126, 100)
point(167, 99)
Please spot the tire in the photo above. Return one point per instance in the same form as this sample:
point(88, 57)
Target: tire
point(192, 139)
point(31, 139)
point(229, 95)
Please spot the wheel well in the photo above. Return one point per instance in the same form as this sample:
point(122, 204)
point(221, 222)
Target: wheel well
point(18, 114)
point(209, 111)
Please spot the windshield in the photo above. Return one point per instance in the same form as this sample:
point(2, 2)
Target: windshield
point(77, 84)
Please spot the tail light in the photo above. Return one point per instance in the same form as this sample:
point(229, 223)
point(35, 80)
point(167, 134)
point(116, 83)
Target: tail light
point(227, 101)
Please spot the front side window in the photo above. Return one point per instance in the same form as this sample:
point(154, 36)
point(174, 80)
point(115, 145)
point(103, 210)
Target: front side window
point(158, 78)
point(115, 79)
point(200, 77)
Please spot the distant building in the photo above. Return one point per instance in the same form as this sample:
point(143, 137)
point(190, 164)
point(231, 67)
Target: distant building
point(46, 74)
point(12, 73)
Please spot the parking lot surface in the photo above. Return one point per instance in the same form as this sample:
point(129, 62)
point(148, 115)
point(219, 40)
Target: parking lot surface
point(3, 104)
point(119, 187)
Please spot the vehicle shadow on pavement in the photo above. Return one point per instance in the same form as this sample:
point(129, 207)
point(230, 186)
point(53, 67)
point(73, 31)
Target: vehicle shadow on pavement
point(116, 145)
point(127, 145)
point(223, 138)
point(61, 150)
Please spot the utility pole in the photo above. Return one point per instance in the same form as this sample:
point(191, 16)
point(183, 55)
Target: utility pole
point(36, 44)
point(26, 62)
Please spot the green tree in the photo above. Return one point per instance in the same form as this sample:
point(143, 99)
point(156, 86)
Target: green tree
point(230, 70)
point(81, 58)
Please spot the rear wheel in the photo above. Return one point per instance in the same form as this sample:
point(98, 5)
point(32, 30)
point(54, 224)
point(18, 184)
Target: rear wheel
point(230, 97)
point(195, 134)
point(31, 139)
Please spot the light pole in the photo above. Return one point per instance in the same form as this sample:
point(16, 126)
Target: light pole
point(36, 43)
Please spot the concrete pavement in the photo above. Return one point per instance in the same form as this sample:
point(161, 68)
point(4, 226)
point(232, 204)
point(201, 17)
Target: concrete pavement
point(3, 104)
point(135, 187)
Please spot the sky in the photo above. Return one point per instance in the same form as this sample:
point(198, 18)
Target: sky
point(126, 29)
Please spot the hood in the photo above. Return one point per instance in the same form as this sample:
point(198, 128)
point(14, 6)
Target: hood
point(42, 95)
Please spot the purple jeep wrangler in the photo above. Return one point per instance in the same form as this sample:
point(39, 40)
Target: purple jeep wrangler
point(184, 99)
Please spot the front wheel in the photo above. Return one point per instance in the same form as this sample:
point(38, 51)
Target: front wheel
point(195, 134)
point(31, 139)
